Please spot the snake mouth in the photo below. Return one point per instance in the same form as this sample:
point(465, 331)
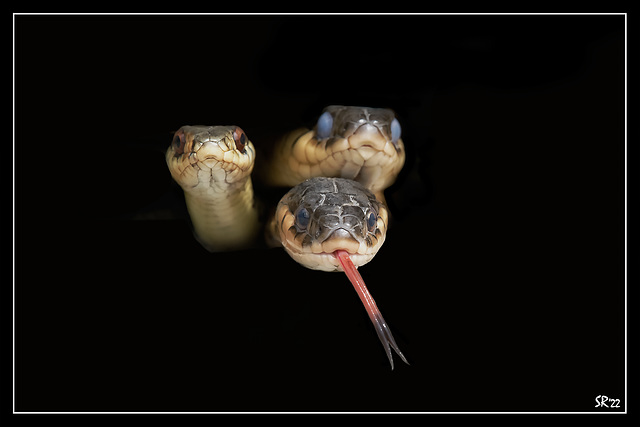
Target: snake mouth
point(323, 256)
point(327, 261)
point(318, 255)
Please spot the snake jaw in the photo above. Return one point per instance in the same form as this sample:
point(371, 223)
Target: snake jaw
point(367, 156)
point(325, 261)
point(320, 255)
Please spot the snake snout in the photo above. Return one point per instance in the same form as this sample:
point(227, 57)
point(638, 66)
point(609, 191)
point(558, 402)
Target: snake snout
point(341, 233)
point(368, 135)
point(341, 238)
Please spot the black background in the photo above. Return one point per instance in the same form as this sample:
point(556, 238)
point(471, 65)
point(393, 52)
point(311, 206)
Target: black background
point(502, 276)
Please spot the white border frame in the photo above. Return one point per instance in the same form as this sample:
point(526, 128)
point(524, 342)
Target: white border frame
point(608, 412)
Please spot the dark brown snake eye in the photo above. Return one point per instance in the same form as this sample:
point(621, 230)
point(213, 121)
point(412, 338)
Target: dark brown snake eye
point(240, 139)
point(178, 142)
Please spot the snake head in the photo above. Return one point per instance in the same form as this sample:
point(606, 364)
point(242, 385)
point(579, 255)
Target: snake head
point(368, 126)
point(210, 157)
point(323, 215)
point(359, 143)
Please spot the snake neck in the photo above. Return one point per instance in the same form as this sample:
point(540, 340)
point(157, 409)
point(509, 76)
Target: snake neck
point(283, 169)
point(224, 219)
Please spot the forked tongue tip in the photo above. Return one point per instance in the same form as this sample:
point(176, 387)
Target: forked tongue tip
point(369, 304)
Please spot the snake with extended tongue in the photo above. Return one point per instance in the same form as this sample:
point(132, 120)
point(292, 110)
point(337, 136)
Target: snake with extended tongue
point(333, 219)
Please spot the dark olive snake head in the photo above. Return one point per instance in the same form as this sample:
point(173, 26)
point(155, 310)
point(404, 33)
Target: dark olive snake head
point(322, 215)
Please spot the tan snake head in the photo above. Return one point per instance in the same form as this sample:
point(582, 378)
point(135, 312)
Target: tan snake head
point(323, 215)
point(208, 156)
point(358, 143)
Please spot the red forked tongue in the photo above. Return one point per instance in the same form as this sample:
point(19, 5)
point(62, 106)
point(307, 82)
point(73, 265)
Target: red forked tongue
point(370, 305)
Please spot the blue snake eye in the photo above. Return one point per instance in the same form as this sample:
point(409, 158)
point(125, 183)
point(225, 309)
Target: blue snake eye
point(302, 218)
point(325, 123)
point(372, 221)
point(395, 131)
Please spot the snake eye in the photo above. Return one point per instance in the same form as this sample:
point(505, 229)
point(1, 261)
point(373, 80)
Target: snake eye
point(302, 218)
point(178, 141)
point(325, 123)
point(395, 131)
point(372, 220)
point(240, 138)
